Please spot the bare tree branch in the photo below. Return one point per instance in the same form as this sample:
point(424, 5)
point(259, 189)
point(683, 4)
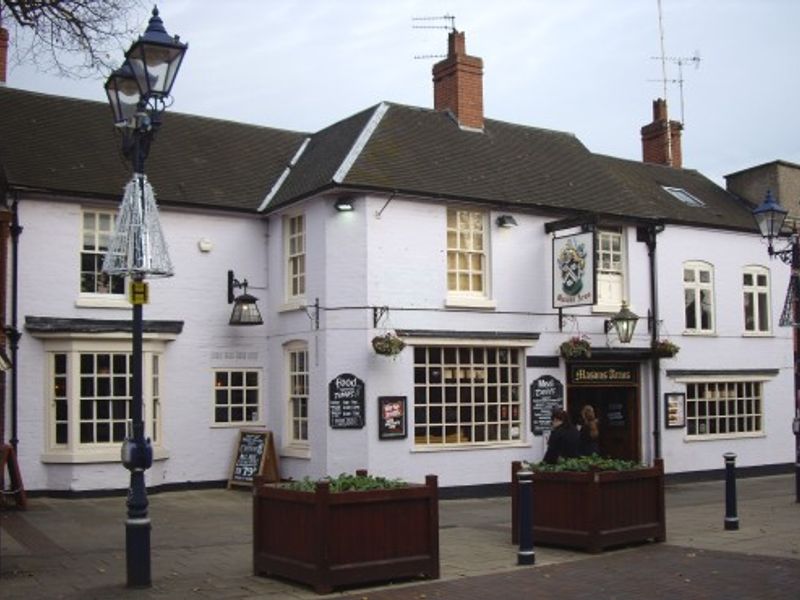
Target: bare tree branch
point(73, 38)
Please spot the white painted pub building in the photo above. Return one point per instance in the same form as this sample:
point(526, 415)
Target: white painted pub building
point(464, 236)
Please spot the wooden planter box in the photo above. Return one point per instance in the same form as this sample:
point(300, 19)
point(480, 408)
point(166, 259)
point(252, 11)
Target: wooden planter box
point(594, 510)
point(328, 540)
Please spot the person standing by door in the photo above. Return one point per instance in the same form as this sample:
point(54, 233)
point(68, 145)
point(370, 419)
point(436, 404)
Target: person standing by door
point(589, 433)
point(564, 439)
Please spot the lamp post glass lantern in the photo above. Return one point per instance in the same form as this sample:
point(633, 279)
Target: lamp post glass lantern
point(138, 93)
point(624, 323)
point(770, 217)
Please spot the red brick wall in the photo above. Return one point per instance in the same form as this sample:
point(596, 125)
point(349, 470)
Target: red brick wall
point(654, 138)
point(458, 83)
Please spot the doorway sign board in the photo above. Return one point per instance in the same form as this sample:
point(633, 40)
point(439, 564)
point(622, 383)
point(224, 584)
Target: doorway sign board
point(346, 402)
point(255, 455)
point(547, 394)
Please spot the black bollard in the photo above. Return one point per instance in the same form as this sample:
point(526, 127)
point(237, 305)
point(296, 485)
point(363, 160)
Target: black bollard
point(526, 554)
point(731, 519)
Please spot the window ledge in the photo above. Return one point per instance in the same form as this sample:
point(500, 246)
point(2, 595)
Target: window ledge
point(237, 425)
point(693, 333)
point(724, 436)
point(102, 301)
point(292, 305)
point(758, 334)
point(470, 302)
point(467, 447)
point(94, 456)
point(296, 452)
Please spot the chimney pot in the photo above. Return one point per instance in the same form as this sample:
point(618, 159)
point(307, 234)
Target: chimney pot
point(458, 83)
point(661, 139)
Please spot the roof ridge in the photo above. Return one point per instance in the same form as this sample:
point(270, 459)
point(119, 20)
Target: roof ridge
point(360, 143)
point(277, 185)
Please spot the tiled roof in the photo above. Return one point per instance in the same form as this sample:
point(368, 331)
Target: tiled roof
point(69, 146)
point(424, 152)
point(647, 182)
point(62, 145)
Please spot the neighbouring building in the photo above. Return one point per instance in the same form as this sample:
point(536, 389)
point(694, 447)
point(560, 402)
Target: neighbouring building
point(471, 239)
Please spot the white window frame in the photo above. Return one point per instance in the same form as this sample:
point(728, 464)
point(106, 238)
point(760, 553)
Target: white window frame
point(606, 277)
point(697, 287)
point(444, 429)
point(295, 259)
point(74, 345)
point(97, 299)
point(230, 388)
point(297, 397)
point(754, 291)
point(461, 254)
point(720, 398)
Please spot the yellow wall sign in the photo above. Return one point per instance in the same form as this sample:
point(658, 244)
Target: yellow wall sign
point(138, 292)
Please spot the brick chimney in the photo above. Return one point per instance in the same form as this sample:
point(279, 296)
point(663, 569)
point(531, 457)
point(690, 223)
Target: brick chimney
point(661, 139)
point(458, 83)
point(3, 54)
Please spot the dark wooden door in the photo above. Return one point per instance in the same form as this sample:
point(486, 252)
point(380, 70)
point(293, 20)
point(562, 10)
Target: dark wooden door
point(617, 410)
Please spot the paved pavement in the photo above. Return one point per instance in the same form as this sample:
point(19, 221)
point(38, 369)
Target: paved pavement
point(201, 548)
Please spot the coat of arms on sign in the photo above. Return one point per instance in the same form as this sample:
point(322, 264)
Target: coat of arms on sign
point(573, 270)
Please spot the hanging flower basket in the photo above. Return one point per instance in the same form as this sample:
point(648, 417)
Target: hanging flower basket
point(665, 348)
point(576, 347)
point(388, 344)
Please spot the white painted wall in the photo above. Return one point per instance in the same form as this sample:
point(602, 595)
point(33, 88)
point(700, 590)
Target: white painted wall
point(398, 259)
point(49, 284)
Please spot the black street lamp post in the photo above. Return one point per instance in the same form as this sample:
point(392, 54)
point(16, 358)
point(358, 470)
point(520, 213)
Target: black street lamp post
point(770, 217)
point(138, 93)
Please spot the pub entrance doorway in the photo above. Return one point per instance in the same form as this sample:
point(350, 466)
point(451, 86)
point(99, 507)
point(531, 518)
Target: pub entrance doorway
point(613, 391)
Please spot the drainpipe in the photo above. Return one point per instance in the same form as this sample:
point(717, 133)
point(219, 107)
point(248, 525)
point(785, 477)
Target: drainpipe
point(12, 333)
point(648, 236)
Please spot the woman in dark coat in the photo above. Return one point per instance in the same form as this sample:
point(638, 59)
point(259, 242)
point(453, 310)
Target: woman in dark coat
point(564, 438)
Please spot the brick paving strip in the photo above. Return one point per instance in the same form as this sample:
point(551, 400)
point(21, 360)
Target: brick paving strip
point(650, 571)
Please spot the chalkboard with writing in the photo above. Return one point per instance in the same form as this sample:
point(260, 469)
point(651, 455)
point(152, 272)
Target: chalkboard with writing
point(615, 414)
point(346, 402)
point(547, 393)
point(255, 455)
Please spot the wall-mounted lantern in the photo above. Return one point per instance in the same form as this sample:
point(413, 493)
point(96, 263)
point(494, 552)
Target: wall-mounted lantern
point(245, 308)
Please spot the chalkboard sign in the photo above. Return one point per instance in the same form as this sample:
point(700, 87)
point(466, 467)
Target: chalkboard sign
point(391, 417)
point(547, 393)
point(346, 402)
point(255, 455)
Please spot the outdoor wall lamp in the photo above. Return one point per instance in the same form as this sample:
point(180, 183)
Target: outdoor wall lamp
point(344, 204)
point(770, 217)
point(624, 322)
point(245, 309)
point(506, 221)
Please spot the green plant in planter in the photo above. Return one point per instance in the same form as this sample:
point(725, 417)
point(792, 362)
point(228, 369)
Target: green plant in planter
point(665, 348)
point(388, 344)
point(576, 347)
point(583, 464)
point(346, 482)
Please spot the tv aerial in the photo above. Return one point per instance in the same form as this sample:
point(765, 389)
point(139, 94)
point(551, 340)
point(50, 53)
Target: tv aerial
point(447, 22)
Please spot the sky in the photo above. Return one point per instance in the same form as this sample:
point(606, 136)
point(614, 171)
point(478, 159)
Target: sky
point(582, 66)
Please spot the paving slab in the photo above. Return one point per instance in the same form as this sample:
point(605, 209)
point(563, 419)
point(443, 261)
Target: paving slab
point(202, 548)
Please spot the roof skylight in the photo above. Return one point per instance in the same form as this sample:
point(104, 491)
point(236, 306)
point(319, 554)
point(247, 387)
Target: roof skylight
point(684, 196)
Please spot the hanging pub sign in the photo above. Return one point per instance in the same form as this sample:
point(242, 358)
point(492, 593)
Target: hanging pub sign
point(547, 394)
point(574, 282)
point(346, 402)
